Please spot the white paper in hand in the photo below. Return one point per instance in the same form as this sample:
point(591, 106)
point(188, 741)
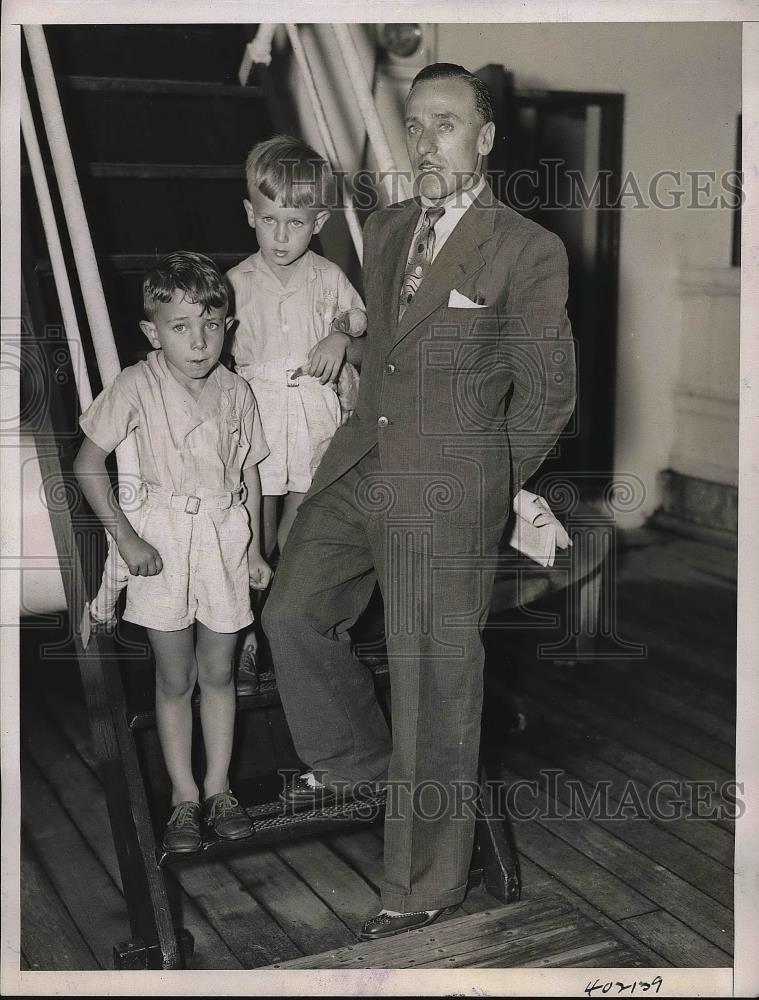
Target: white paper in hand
point(538, 542)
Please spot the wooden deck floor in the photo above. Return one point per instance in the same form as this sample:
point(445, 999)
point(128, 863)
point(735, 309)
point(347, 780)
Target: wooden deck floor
point(660, 888)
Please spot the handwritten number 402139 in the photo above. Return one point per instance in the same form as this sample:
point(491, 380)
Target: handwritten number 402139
point(645, 986)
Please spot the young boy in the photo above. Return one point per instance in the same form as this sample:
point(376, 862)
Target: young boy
point(297, 314)
point(194, 548)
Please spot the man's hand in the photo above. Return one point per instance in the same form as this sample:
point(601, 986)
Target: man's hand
point(140, 556)
point(326, 357)
point(345, 416)
point(548, 517)
point(259, 571)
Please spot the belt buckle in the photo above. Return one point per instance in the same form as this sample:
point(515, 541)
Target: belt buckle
point(291, 377)
point(192, 506)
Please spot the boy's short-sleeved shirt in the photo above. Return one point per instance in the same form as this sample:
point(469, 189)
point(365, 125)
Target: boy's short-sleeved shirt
point(277, 327)
point(190, 446)
point(195, 448)
point(277, 321)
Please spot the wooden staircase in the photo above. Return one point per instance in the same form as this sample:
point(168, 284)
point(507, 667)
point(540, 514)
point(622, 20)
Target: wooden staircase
point(159, 128)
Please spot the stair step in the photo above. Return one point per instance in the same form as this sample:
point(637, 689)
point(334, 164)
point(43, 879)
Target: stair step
point(272, 824)
point(158, 171)
point(184, 88)
point(138, 263)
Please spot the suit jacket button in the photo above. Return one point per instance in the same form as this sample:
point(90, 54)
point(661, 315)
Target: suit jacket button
point(383, 422)
point(389, 369)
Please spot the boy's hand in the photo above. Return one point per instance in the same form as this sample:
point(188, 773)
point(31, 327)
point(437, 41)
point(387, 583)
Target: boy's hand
point(345, 416)
point(326, 357)
point(259, 571)
point(140, 556)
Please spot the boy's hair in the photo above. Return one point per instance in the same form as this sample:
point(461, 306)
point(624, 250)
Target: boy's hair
point(192, 273)
point(452, 71)
point(290, 173)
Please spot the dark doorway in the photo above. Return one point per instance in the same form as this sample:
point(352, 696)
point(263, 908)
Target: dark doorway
point(557, 160)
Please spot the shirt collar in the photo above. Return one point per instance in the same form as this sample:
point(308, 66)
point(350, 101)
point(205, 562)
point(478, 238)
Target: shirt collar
point(220, 378)
point(455, 206)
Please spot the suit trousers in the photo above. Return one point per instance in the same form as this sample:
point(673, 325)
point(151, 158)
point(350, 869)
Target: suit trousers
point(342, 542)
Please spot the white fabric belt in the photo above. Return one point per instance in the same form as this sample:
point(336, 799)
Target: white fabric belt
point(279, 372)
point(189, 504)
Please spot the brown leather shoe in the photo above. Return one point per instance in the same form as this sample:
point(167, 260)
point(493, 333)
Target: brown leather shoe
point(225, 817)
point(182, 834)
point(386, 925)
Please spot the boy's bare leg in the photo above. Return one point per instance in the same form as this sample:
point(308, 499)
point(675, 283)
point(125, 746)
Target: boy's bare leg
point(270, 517)
point(214, 652)
point(176, 673)
point(289, 509)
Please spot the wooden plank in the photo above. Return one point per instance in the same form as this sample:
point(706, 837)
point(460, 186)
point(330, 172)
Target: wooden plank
point(344, 891)
point(95, 904)
point(310, 924)
point(658, 758)
point(584, 876)
point(599, 759)
point(364, 850)
point(50, 939)
point(504, 937)
point(680, 943)
point(538, 882)
point(675, 725)
point(460, 935)
point(245, 927)
point(699, 911)
point(79, 790)
point(698, 645)
point(649, 683)
point(637, 832)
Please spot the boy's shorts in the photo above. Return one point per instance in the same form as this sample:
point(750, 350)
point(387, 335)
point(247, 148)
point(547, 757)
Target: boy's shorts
point(299, 422)
point(205, 565)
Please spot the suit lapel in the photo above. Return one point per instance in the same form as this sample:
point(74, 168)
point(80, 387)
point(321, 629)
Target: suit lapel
point(459, 259)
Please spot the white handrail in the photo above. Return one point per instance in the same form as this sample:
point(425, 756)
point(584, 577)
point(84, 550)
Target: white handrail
point(79, 234)
point(63, 287)
point(356, 75)
point(351, 218)
point(258, 50)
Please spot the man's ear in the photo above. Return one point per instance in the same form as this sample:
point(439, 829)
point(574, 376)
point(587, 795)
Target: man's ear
point(486, 138)
point(249, 213)
point(321, 218)
point(150, 332)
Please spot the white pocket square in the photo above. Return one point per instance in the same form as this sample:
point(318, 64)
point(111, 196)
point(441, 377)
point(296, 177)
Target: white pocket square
point(459, 301)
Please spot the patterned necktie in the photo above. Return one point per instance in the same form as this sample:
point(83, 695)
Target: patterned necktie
point(420, 258)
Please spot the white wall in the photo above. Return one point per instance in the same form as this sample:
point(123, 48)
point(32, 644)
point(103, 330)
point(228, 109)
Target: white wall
point(682, 87)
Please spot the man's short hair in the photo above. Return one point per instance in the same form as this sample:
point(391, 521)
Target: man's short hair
point(191, 273)
point(288, 172)
point(452, 71)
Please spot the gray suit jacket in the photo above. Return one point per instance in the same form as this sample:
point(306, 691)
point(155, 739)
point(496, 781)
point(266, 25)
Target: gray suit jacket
point(465, 403)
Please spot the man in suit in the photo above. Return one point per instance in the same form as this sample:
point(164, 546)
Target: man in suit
point(466, 383)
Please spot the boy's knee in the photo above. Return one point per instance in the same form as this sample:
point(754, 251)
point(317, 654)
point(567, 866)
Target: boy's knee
point(176, 685)
point(216, 674)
